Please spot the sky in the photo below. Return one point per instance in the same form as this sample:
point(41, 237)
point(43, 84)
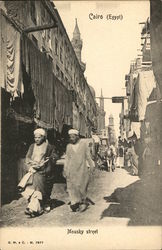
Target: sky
point(109, 45)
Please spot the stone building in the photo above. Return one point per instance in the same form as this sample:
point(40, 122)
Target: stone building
point(141, 87)
point(42, 80)
point(141, 118)
point(64, 56)
point(155, 119)
point(77, 45)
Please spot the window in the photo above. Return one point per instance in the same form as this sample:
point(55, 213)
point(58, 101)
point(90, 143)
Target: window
point(48, 34)
point(66, 63)
point(50, 58)
point(33, 12)
point(62, 76)
point(50, 44)
point(66, 80)
point(43, 49)
point(71, 65)
point(43, 13)
point(61, 57)
point(44, 36)
point(57, 71)
point(56, 46)
point(35, 40)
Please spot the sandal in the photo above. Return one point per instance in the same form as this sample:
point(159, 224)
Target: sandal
point(34, 214)
point(47, 209)
point(27, 212)
point(38, 213)
point(83, 207)
point(75, 207)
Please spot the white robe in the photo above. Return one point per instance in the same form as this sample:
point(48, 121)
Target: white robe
point(77, 168)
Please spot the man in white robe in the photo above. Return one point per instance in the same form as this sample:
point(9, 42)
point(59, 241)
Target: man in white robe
point(77, 170)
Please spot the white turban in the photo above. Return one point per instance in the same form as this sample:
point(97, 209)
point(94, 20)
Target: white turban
point(73, 131)
point(40, 131)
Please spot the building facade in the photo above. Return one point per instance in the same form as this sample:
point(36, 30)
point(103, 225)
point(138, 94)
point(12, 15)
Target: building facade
point(141, 117)
point(42, 80)
point(65, 57)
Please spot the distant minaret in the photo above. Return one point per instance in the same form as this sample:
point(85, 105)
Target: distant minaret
point(111, 131)
point(77, 44)
point(111, 120)
point(102, 112)
point(101, 101)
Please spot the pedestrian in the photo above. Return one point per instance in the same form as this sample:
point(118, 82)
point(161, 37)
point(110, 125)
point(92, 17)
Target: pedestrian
point(121, 156)
point(126, 158)
point(108, 159)
point(102, 159)
point(133, 159)
point(77, 170)
point(37, 184)
point(147, 160)
point(111, 154)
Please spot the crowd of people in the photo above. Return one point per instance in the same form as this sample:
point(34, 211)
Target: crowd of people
point(122, 155)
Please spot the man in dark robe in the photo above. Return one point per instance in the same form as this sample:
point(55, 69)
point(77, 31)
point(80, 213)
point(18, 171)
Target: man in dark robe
point(40, 160)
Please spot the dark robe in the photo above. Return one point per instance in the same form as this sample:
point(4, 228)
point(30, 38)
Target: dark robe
point(42, 179)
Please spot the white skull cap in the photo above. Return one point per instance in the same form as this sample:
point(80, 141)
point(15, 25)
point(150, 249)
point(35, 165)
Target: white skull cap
point(40, 131)
point(73, 131)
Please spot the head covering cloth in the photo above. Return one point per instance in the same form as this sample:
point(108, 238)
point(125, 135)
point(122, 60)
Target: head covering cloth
point(73, 132)
point(40, 131)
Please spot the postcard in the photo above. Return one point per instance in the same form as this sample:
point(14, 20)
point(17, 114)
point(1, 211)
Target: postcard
point(81, 125)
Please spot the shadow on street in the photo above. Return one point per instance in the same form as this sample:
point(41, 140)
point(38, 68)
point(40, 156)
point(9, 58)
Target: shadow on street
point(141, 202)
point(56, 203)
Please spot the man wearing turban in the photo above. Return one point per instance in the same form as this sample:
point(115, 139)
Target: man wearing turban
point(77, 169)
point(40, 159)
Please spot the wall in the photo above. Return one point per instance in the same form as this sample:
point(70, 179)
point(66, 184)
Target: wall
point(56, 44)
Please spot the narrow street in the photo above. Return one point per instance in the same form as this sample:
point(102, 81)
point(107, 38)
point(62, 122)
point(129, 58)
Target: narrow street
point(120, 199)
point(81, 90)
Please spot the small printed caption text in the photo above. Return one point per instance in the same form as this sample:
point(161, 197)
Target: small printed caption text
point(109, 17)
point(82, 231)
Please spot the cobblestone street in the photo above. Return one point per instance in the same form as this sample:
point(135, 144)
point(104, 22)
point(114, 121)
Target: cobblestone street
point(120, 199)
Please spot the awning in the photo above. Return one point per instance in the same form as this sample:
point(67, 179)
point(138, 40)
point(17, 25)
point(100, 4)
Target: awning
point(144, 85)
point(135, 127)
point(156, 39)
point(53, 101)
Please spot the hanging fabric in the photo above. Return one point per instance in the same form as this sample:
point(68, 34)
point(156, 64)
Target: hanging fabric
point(10, 75)
point(145, 84)
point(39, 68)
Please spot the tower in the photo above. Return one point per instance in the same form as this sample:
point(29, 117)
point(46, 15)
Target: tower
point(111, 120)
point(77, 44)
point(102, 113)
point(101, 101)
point(111, 131)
